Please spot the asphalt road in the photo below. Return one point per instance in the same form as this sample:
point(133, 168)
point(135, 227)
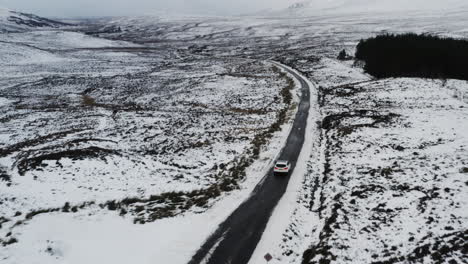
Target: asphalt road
point(236, 238)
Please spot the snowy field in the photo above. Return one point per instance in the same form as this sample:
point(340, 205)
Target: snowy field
point(393, 187)
point(89, 122)
point(143, 139)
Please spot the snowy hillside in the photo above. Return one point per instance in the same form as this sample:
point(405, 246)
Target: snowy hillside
point(315, 7)
point(141, 135)
point(12, 21)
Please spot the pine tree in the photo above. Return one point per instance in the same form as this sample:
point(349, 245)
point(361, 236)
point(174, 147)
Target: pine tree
point(342, 55)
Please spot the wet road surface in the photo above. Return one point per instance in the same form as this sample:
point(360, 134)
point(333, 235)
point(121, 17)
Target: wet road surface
point(237, 237)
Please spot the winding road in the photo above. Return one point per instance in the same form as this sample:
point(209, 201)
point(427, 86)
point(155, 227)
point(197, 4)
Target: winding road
point(237, 237)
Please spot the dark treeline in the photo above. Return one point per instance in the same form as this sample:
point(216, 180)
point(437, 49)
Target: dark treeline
point(412, 55)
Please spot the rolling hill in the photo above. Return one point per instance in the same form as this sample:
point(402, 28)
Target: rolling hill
point(13, 21)
point(315, 7)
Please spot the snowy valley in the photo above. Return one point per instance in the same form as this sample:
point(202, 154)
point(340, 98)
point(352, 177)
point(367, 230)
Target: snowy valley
point(130, 139)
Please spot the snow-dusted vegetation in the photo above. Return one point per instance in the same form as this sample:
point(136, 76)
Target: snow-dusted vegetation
point(14, 21)
point(387, 183)
point(89, 123)
point(394, 186)
point(143, 134)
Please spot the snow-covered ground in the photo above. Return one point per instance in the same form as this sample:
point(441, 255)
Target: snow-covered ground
point(396, 181)
point(394, 184)
point(94, 236)
point(365, 7)
point(89, 122)
point(146, 124)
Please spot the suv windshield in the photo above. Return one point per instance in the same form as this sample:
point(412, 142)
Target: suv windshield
point(280, 165)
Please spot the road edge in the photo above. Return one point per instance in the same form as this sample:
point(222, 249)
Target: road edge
point(255, 182)
point(286, 207)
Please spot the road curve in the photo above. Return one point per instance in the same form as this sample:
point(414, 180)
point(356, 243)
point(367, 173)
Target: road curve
point(236, 238)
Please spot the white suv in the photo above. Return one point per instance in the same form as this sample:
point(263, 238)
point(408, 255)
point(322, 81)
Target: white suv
point(282, 166)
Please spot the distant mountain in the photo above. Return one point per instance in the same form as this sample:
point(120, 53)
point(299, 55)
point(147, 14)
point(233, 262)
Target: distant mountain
point(13, 21)
point(316, 7)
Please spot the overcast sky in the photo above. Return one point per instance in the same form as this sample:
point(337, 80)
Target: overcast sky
point(73, 8)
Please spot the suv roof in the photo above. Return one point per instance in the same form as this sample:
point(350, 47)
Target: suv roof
point(282, 162)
